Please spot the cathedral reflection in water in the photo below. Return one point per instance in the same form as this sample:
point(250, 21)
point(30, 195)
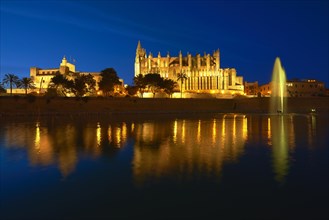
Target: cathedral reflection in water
point(162, 149)
point(184, 147)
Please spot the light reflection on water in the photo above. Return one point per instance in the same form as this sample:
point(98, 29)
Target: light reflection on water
point(190, 147)
point(279, 129)
point(195, 166)
point(162, 148)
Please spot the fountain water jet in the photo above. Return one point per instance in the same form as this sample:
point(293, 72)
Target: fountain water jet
point(278, 101)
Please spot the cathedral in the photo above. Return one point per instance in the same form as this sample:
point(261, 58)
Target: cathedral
point(203, 73)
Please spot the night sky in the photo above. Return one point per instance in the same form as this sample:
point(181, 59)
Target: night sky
point(102, 34)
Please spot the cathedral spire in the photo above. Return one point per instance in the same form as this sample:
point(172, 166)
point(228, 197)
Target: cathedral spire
point(139, 46)
point(138, 50)
point(139, 53)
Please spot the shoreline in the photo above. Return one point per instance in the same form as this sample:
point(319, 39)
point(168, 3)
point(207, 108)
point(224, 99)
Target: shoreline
point(111, 106)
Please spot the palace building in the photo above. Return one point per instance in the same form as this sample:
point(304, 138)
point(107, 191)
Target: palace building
point(42, 77)
point(204, 73)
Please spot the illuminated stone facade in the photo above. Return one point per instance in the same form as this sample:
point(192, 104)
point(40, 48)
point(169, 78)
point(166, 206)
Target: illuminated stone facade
point(298, 88)
point(251, 88)
point(42, 77)
point(204, 73)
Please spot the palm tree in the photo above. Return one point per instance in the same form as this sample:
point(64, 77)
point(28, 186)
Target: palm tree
point(11, 79)
point(27, 83)
point(181, 77)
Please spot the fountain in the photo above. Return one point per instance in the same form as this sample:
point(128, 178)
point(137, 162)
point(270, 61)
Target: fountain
point(278, 101)
point(278, 105)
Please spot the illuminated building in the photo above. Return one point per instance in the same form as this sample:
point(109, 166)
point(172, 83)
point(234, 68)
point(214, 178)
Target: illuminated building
point(42, 77)
point(299, 88)
point(204, 73)
point(309, 87)
point(251, 88)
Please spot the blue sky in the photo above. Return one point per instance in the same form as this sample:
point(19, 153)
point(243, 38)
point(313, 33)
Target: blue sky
point(102, 34)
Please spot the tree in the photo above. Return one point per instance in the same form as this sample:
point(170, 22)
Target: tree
point(26, 83)
point(90, 84)
point(109, 80)
point(139, 82)
point(83, 84)
point(153, 82)
point(169, 86)
point(11, 79)
point(181, 77)
point(132, 90)
point(61, 84)
point(79, 87)
point(2, 89)
point(58, 80)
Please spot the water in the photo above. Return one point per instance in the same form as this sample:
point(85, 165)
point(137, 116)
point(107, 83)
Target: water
point(278, 88)
point(223, 166)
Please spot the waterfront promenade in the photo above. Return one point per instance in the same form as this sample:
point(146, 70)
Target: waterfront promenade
point(42, 106)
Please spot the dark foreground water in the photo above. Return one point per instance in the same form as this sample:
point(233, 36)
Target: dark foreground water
point(221, 166)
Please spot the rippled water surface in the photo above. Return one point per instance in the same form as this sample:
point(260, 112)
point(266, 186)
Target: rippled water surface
point(225, 166)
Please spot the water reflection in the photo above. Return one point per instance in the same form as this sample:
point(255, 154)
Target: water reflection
point(179, 149)
point(43, 152)
point(278, 132)
point(60, 143)
point(185, 149)
point(311, 121)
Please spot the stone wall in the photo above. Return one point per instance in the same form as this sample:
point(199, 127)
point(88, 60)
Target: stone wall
point(71, 106)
